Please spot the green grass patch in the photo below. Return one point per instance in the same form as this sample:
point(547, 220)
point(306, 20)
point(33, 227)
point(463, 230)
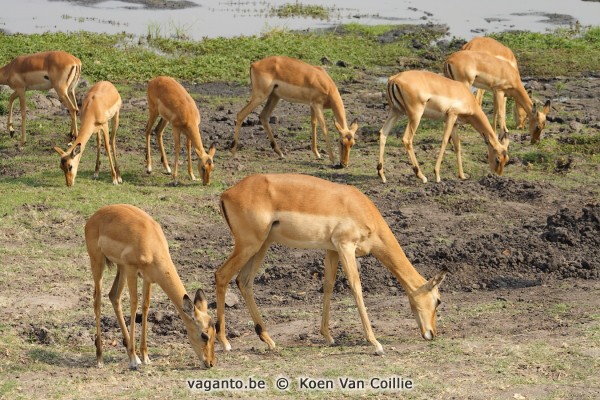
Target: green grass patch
point(298, 9)
point(566, 51)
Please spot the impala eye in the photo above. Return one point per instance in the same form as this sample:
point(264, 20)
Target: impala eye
point(204, 336)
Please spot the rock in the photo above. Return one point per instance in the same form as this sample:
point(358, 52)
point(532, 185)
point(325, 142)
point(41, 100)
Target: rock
point(231, 299)
point(575, 126)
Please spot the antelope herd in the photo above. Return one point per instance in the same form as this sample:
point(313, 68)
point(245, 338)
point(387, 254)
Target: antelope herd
point(294, 210)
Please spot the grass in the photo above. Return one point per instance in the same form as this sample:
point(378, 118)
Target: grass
point(566, 50)
point(298, 9)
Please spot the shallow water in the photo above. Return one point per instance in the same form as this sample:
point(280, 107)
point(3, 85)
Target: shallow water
point(213, 18)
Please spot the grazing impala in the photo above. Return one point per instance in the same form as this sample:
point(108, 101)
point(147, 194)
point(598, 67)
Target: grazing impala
point(474, 68)
point(125, 236)
point(494, 48)
point(421, 94)
point(169, 100)
point(42, 71)
point(307, 212)
point(278, 77)
point(101, 104)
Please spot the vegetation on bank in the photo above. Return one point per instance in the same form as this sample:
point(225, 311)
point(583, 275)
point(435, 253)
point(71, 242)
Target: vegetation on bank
point(384, 49)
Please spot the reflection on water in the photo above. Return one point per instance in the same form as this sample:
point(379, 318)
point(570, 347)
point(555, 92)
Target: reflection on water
point(212, 18)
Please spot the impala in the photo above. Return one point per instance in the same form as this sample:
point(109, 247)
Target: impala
point(421, 94)
point(275, 78)
point(125, 236)
point(474, 68)
point(494, 48)
point(42, 71)
point(169, 100)
point(101, 104)
point(306, 212)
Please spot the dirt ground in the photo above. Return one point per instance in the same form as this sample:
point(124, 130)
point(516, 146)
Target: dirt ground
point(523, 257)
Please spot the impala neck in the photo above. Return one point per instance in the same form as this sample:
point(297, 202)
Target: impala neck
point(482, 125)
point(86, 130)
point(522, 98)
point(196, 139)
point(337, 106)
point(171, 284)
point(390, 254)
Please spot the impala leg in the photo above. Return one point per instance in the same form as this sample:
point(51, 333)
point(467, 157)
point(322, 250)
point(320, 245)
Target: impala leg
point(331, 263)
point(160, 130)
point(134, 360)
point(313, 131)
point(501, 102)
point(189, 153)
point(407, 140)
point(383, 134)
point(107, 146)
point(245, 282)
point(348, 258)
point(115, 298)
point(321, 119)
point(97, 265)
point(457, 150)
point(177, 149)
point(113, 142)
point(23, 105)
point(448, 128)
point(264, 116)
point(151, 120)
point(11, 101)
point(240, 256)
point(241, 116)
point(66, 95)
point(145, 306)
point(98, 145)
point(479, 96)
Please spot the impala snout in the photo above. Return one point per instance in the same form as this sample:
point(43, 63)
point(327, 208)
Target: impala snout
point(346, 144)
point(346, 141)
point(206, 164)
point(535, 136)
point(429, 335)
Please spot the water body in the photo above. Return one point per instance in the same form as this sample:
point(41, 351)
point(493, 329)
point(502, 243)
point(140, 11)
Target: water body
point(214, 18)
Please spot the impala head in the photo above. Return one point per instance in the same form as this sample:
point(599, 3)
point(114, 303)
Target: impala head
point(537, 122)
point(346, 141)
point(498, 157)
point(206, 164)
point(200, 327)
point(424, 302)
point(69, 162)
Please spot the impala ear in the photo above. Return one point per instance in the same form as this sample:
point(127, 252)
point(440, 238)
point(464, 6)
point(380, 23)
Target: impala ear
point(59, 151)
point(504, 139)
point(188, 306)
point(436, 280)
point(200, 301)
point(547, 107)
point(212, 150)
point(76, 150)
point(354, 125)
